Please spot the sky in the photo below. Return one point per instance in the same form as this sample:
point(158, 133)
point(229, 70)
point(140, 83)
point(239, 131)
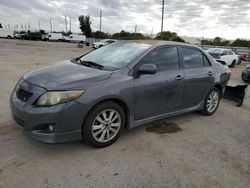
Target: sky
point(228, 19)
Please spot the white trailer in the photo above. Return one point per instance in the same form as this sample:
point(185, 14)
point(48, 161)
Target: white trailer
point(6, 33)
point(54, 37)
point(77, 38)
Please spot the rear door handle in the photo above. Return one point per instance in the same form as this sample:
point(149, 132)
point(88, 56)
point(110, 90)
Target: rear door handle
point(179, 77)
point(210, 73)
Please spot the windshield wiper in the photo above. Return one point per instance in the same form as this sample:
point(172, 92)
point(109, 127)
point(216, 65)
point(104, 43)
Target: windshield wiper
point(91, 64)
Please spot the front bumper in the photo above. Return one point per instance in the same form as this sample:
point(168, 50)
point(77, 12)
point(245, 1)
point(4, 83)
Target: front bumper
point(66, 118)
point(246, 76)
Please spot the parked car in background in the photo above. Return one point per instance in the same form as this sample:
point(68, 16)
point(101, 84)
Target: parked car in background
point(54, 37)
point(226, 55)
point(246, 74)
point(32, 36)
point(18, 35)
point(123, 85)
point(243, 57)
point(76, 38)
point(103, 42)
point(6, 33)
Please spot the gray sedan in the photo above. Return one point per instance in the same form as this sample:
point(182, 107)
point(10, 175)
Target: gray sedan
point(122, 85)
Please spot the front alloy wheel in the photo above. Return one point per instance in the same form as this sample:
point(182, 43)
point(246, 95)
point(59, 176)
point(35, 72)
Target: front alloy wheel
point(104, 124)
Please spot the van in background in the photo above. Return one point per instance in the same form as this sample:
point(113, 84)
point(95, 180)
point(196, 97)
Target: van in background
point(6, 33)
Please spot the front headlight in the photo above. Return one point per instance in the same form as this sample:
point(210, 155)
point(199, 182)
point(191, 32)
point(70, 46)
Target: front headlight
point(57, 97)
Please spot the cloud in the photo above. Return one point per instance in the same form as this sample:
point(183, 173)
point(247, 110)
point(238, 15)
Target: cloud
point(225, 18)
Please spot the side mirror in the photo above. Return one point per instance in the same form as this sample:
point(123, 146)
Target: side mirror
point(147, 69)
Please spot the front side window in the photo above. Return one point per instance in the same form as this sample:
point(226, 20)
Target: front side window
point(224, 52)
point(230, 52)
point(192, 58)
point(164, 58)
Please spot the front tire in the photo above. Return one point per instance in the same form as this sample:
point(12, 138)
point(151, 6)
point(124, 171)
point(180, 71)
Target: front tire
point(103, 124)
point(211, 102)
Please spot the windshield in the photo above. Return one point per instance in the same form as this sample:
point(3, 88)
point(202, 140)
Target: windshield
point(103, 41)
point(214, 50)
point(115, 56)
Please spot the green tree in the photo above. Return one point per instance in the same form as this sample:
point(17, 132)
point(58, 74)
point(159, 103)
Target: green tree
point(66, 34)
point(170, 36)
point(100, 35)
point(123, 35)
point(241, 43)
point(85, 25)
point(217, 41)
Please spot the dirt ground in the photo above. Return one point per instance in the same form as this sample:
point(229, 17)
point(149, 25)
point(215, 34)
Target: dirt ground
point(189, 150)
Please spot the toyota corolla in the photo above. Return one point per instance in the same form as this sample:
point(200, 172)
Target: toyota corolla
point(122, 85)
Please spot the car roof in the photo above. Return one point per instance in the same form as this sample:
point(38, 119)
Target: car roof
point(160, 43)
point(218, 49)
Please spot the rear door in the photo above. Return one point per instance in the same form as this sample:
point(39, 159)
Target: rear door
point(159, 93)
point(198, 76)
point(232, 56)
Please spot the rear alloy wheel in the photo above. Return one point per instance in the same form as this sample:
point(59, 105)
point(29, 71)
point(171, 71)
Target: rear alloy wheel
point(104, 124)
point(212, 102)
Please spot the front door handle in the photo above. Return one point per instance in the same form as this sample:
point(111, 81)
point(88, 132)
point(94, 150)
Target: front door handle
point(179, 77)
point(210, 73)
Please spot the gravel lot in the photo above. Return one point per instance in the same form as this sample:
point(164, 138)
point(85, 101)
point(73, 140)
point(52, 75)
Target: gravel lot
point(203, 152)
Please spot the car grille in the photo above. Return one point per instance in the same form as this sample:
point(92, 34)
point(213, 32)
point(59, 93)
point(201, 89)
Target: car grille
point(23, 95)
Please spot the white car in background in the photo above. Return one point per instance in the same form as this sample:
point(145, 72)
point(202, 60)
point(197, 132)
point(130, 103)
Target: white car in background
point(226, 55)
point(103, 42)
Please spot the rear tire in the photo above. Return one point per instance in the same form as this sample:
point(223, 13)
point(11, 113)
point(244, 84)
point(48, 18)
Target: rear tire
point(212, 102)
point(233, 64)
point(103, 124)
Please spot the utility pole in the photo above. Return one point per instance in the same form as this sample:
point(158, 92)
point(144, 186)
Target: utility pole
point(50, 25)
point(100, 20)
point(39, 25)
point(70, 24)
point(152, 33)
point(162, 16)
point(135, 28)
point(66, 24)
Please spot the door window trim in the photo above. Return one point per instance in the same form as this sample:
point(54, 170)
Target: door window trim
point(193, 48)
point(157, 48)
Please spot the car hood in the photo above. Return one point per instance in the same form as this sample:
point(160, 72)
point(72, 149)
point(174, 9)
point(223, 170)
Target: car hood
point(65, 75)
point(98, 43)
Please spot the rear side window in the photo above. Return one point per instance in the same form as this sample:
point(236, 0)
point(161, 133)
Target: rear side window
point(192, 58)
point(165, 58)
